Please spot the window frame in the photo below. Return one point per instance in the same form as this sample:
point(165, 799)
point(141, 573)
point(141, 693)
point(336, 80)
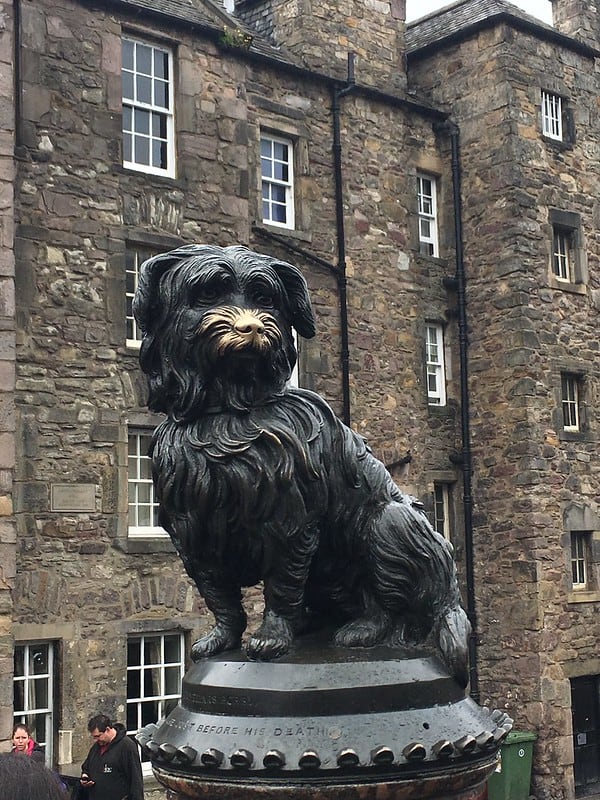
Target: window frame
point(435, 368)
point(563, 254)
point(567, 258)
point(427, 208)
point(580, 560)
point(29, 713)
point(131, 326)
point(270, 180)
point(164, 113)
point(139, 458)
point(162, 698)
point(552, 106)
point(442, 509)
point(570, 392)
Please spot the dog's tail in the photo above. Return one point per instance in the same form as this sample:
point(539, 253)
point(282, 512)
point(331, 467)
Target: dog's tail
point(452, 634)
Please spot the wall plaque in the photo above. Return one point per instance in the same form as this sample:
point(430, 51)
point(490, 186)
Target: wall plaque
point(73, 497)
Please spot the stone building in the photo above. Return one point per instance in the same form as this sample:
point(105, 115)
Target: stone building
point(437, 184)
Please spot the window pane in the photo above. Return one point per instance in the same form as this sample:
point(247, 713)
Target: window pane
point(144, 516)
point(161, 94)
point(266, 167)
point(161, 64)
point(278, 214)
point(142, 121)
point(144, 58)
point(172, 680)
point(127, 54)
point(149, 710)
point(172, 649)
point(132, 720)
point(127, 78)
point(152, 649)
point(19, 696)
point(133, 683)
point(142, 150)
point(144, 493)
point(281, 172)
point(40, 693)
point(143, 87)
point(38, 659)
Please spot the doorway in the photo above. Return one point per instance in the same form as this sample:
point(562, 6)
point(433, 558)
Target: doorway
point(585, 710)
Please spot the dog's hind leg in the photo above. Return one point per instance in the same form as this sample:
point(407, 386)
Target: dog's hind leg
point(225, 602)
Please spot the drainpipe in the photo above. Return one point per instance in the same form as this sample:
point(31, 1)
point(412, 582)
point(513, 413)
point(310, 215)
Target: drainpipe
point(337, 94)
point(459, 283)
point(18, 99)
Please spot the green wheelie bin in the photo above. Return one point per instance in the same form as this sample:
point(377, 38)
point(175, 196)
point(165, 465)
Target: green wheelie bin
point(512, 779)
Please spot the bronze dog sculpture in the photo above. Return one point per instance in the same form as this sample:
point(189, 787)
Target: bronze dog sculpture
point(258, 481)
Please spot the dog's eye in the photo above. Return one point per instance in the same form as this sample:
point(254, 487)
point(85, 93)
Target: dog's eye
point(263, 298)
point(206, 294)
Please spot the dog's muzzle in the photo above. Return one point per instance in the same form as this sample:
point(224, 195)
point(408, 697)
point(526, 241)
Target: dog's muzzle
point(230, 328)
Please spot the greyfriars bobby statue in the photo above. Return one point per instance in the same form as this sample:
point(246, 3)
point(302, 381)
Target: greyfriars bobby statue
point(259, 481)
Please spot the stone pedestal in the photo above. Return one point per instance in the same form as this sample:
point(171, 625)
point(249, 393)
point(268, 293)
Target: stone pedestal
point(325, 723)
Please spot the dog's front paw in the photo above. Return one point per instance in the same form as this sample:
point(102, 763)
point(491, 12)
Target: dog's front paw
point(271, 640)
point(219, 639)
point(362, 632)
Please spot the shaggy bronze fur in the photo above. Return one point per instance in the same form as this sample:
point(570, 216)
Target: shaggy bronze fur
point(258, 481)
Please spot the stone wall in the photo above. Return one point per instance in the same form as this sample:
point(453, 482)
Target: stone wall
point(81, 581)
point(527, 473)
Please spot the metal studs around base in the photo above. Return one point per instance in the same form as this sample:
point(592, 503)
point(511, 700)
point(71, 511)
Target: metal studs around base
point(212, 757)
point(309, 760)
point(274, 759)
point(347, 758)
point(241, 759)
point(382, 756)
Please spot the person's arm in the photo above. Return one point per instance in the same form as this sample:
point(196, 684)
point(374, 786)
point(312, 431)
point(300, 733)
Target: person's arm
point(134, 768)
point(86, 781)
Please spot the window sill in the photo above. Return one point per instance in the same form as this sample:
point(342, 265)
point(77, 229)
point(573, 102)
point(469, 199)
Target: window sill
point(559, 144)
point(567, 286)
point(425, 259)
point(582, 596)
point(447, 410)
point(281, 232)
point(144, 545)
point(576, 436)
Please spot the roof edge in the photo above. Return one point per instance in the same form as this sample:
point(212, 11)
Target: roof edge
point(520, 23)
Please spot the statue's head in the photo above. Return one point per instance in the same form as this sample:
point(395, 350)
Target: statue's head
point(217, 327)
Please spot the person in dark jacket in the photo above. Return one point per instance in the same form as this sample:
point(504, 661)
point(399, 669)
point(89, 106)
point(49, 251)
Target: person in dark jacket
point(112, 769)
point(23, 744)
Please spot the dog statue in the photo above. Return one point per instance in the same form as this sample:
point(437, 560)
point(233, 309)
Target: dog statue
point(259, 481)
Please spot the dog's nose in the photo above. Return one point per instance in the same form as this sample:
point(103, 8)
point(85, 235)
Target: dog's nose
point(249, 324)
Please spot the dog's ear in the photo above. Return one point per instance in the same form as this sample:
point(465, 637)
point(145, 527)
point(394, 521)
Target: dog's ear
point(146, 299)
point(166, 386)
point(301, 314)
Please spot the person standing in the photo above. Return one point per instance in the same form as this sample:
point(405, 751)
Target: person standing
point(24, 745)
point(112, 769)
